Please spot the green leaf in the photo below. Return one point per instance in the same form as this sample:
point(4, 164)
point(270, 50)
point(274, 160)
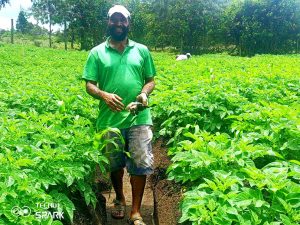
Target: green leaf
point(211, 205)
point(285, 220)
point(293, 199)
point(244, 203)
point(211, 184)
point(260, 203)
point(57, 222)
point(69, 179)
point(255, 218)
point(10, 181)
point(64, 202)
point(295, 161)
point(232, 211)
point(24, 162)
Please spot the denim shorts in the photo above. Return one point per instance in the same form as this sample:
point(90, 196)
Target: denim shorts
point(134, 153)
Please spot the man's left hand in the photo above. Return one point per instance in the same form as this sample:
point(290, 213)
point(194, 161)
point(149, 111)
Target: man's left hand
point(142, 98)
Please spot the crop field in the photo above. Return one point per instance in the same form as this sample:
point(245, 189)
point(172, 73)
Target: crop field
point(232, 125)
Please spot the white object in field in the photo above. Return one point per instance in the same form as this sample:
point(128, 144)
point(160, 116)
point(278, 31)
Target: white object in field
point(183, 57)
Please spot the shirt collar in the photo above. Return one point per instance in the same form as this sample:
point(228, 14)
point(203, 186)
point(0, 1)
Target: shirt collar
point(131, 43)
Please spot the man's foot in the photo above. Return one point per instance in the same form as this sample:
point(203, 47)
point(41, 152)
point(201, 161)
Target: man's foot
point(136, 220)
point(118, 211)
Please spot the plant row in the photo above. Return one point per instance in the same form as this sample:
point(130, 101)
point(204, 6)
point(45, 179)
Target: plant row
point(48, 145)
point(234, 138)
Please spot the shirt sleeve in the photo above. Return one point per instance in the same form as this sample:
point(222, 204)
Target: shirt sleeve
point(90, 71)
point(149, 68)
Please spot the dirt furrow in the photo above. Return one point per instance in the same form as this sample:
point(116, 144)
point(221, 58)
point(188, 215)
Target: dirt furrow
point(147, 204)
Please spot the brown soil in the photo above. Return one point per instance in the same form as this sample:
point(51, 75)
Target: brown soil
point(146, 209)
point(87, 215)
point(166, 193)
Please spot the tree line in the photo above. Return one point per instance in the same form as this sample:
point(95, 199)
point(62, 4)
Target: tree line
point(243, 27)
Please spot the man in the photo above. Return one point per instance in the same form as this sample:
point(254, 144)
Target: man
point(119, 72)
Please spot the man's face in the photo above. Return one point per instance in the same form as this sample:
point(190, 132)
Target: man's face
point(118, 27)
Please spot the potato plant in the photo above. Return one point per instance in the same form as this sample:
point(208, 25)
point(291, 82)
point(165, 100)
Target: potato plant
point(48, 144)
point(234, 138)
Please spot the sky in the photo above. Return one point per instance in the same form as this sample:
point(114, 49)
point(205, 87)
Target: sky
point(11, 11)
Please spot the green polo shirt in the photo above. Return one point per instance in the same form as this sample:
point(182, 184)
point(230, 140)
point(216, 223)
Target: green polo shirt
point(123, 74)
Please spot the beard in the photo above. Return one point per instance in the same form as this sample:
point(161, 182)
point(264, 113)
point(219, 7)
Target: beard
point(118, 36)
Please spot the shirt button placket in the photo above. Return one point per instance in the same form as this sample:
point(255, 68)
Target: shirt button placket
point(122, 58)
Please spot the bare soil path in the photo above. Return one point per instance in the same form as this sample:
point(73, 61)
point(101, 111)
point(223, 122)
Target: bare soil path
point(147, 203)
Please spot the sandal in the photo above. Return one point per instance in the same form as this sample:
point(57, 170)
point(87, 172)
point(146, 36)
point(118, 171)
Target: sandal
point(118, 211)
point(136, 220)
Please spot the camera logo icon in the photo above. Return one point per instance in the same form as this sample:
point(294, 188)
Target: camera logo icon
point(18, 211)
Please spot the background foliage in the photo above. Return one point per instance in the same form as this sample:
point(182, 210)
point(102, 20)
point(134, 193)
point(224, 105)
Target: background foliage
point(241, 27)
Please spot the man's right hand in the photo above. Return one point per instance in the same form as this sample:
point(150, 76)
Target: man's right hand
point(113, 101)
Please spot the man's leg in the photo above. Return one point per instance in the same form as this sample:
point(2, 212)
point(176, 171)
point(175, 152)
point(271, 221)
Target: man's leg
point(117, 182)
point(139, 165)
point(138, 186)
point(117, 164)
point(118, 212)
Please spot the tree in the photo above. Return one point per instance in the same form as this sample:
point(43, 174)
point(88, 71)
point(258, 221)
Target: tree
point(62, 15)
point(44, 11)
point(89, 21)
point(185, 24)
point(3, 2)
point(198, 26)
point(22, 22)
point(85, 19)
point(266, 26)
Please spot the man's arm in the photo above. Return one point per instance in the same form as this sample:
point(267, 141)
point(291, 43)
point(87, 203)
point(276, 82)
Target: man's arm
point(146, 91)
point(113, 101)
point(149, 86)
